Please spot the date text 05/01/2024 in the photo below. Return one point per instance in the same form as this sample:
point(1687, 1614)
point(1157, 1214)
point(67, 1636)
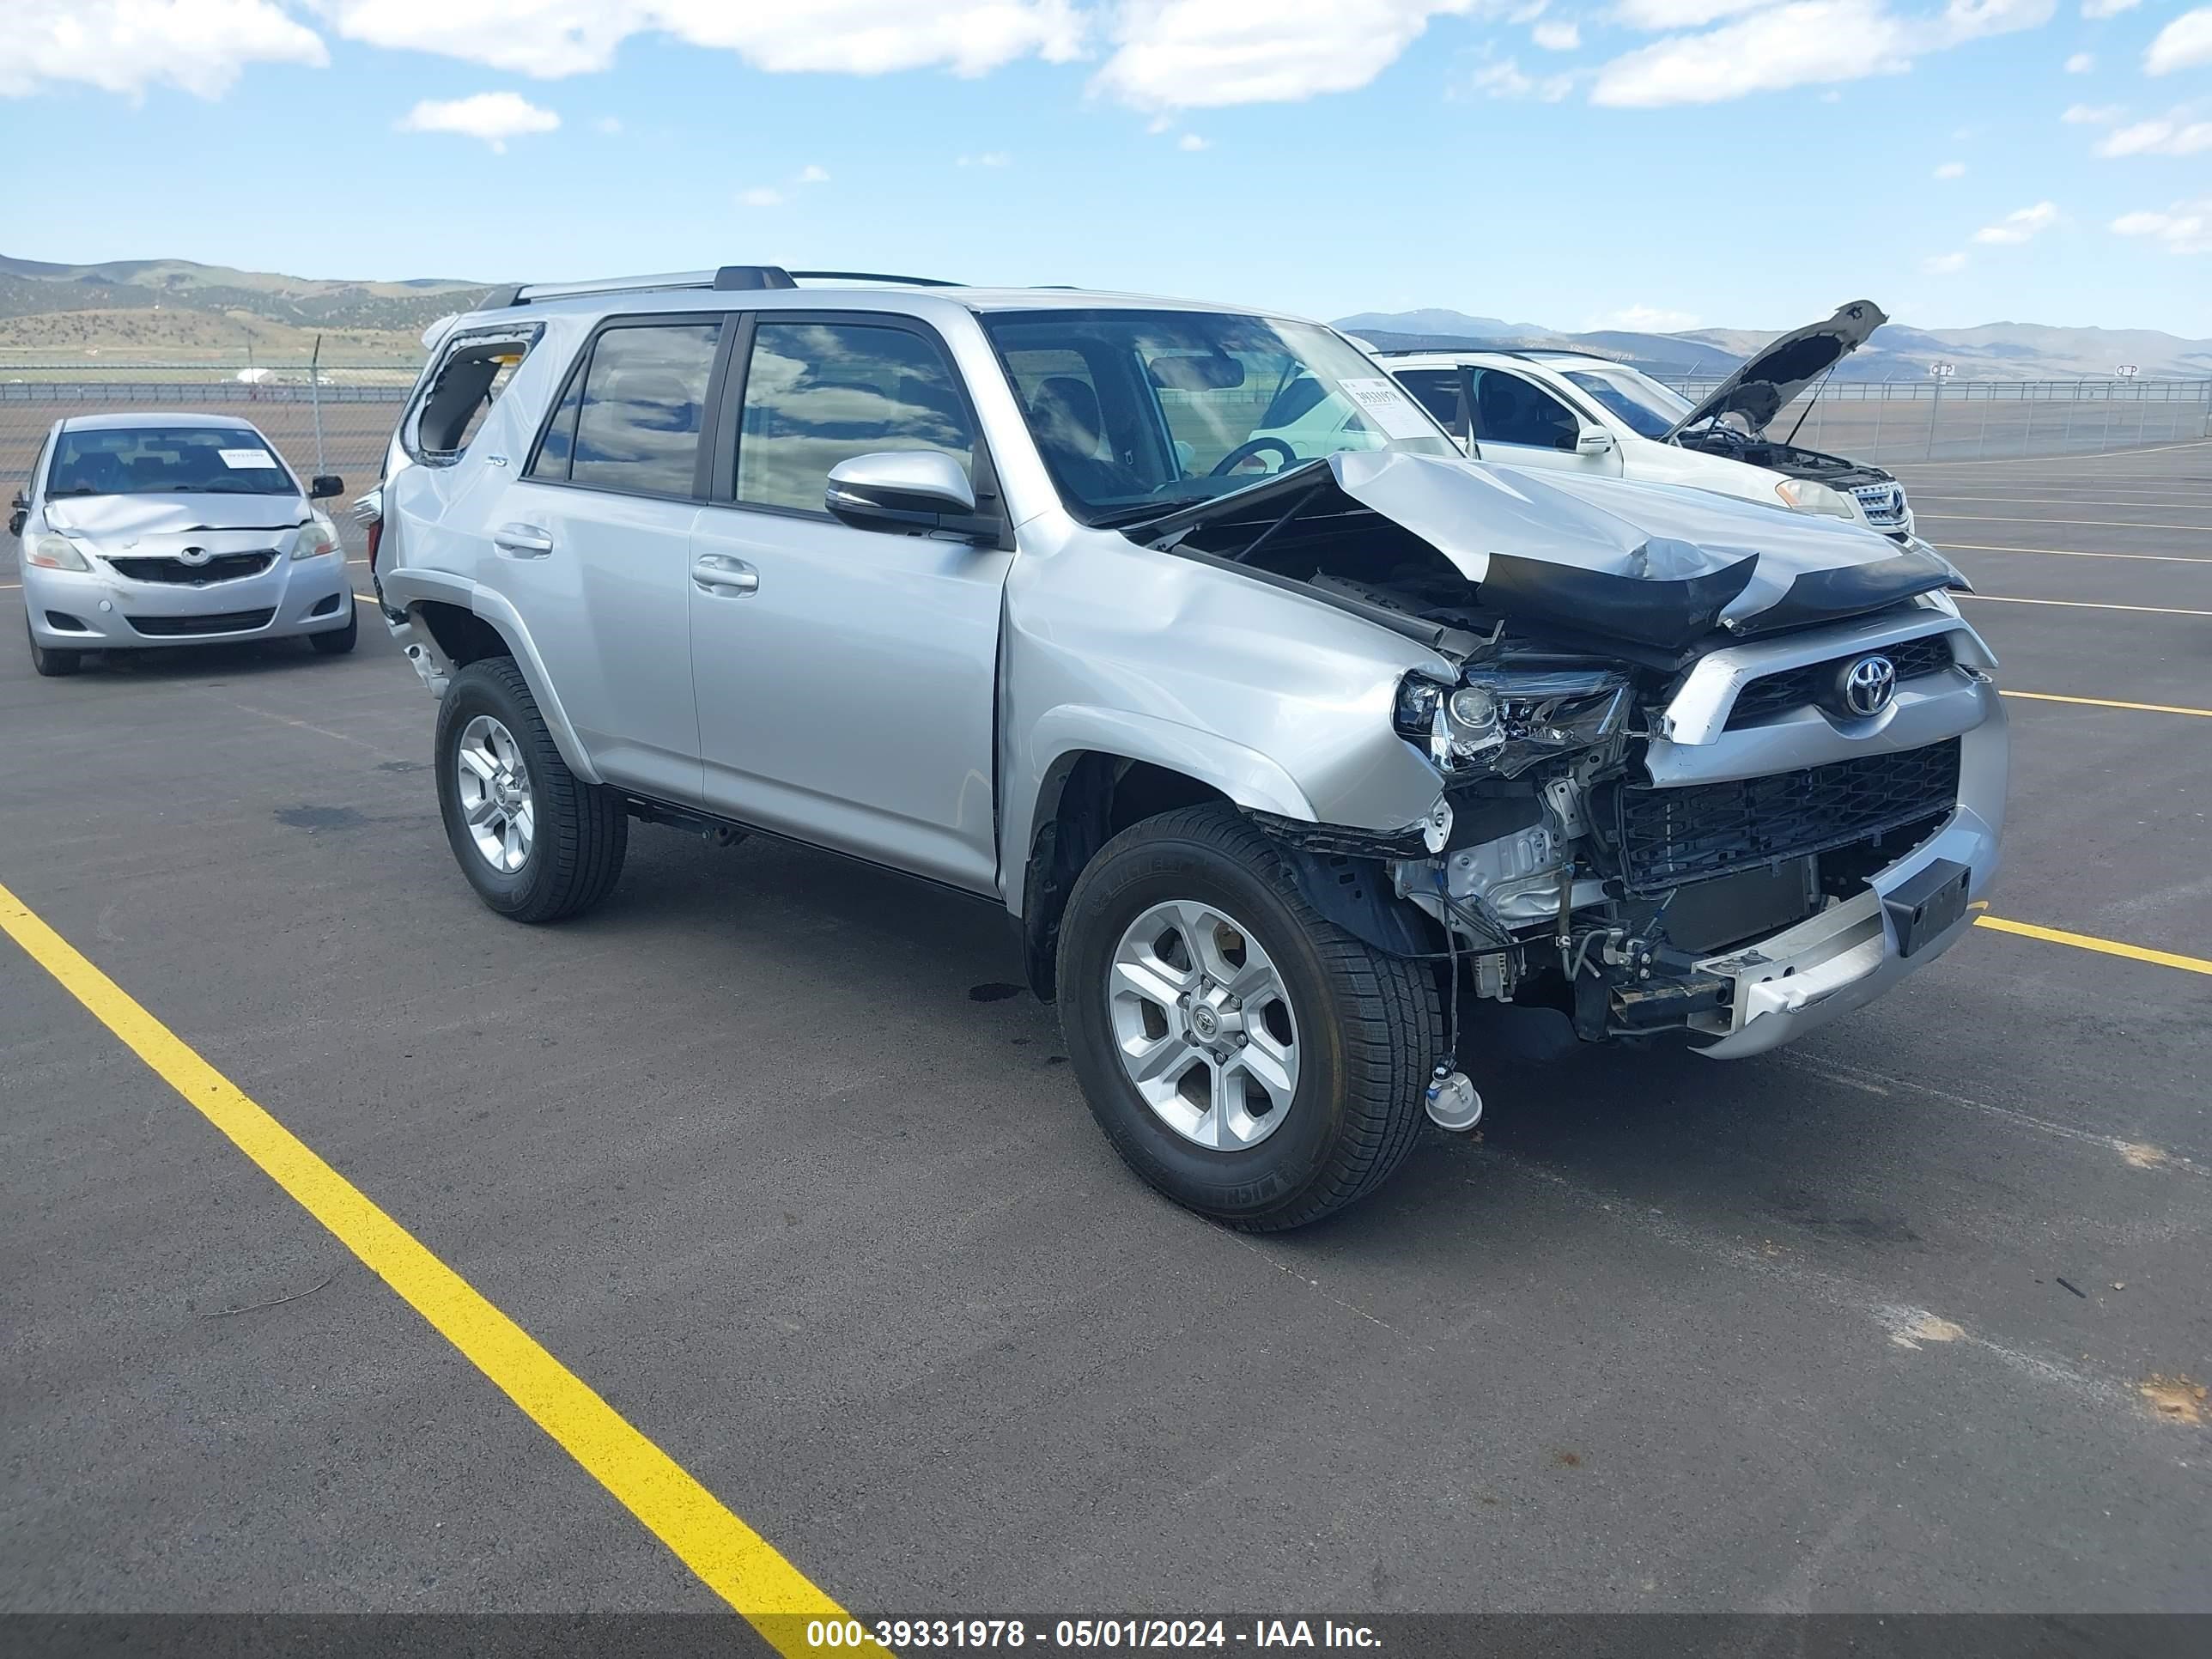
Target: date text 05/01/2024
point(1086, 1635)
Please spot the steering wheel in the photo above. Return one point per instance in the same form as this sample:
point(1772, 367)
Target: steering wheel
point(1251, 446)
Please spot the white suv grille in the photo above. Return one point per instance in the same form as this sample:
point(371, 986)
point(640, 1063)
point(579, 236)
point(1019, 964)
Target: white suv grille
point(1883, 504)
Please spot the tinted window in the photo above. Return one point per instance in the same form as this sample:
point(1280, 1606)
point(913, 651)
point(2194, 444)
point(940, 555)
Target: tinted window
point(560, 440)
point(819, 393)
point(1513, 410)
point(1439, 391)
point(637, 426)
point(210, 460)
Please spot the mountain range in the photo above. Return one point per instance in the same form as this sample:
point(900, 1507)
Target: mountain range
point(179, 311)
point(1992, 351)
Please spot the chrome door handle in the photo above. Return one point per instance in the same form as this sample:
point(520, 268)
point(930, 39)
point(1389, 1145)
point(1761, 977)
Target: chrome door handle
point(522, 541)
point(724, 576)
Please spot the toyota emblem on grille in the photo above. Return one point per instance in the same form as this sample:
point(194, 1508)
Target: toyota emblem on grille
point(193, 555)
point(1868, 684)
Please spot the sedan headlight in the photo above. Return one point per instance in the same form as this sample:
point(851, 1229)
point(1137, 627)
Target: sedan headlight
point(314, 538)
point(1503, 721)
point(58, 553)
point(1805, 496)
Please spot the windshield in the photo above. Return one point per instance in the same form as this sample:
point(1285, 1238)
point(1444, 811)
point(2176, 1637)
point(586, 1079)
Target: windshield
point(1137, 412)
point(1649, 409)
point(151, 460)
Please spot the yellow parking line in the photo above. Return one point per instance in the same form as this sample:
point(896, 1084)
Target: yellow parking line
point(2111, 947)
point(2085, 604)
point(2107, 702)
point(729, 1557)
point(2077, 553)
point(2093, 524)
point(366, 598)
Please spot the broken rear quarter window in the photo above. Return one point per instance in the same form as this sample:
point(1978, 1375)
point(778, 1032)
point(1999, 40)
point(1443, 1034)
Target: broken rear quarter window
point(468, 382)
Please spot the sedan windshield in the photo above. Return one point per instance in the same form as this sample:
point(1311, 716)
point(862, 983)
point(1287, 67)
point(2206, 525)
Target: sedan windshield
point(1137, 412)
point(1649, 409)
point(212, 460)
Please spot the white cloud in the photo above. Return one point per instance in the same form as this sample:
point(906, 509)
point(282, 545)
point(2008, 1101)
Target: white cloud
point(1646, 320)
point(989, 158)
point(127, 46)
point(553, 38)
point(2185, 43)
point(1944, 264)
point(1503, 79)
point(813, 175)
point(2108, 7)
point(609, 124)
point(1653, 16)
point(1190, 141)
point(2168, 135)
point(2019, 225)
point(1195, 54)
point(2187, 229)
point(762, 196)
point(2093, 115)
point(1557, 37)
point(2081, 63)
point(494, 116)
point(1796, 44)
point(1950, 170)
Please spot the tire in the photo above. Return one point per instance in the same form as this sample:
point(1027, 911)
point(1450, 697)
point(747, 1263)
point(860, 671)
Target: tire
point(336, 641)
point(49, 663)
point(578, 832)
point(1368, 1027)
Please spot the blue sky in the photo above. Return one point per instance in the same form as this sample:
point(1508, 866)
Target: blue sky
point(1654, 163)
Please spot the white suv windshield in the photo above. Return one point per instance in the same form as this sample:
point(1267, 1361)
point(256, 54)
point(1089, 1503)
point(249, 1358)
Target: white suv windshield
point(1649, 409)
point(1137, 412)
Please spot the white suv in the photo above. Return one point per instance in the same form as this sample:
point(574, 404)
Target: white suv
point(1573, 411)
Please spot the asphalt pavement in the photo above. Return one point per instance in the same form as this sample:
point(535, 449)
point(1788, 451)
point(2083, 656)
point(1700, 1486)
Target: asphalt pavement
point(768, 1152)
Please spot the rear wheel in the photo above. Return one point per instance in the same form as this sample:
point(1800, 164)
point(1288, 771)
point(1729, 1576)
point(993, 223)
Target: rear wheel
point(1251, 1059)
point(339, 640)
point(536, 842)
point(49, 662)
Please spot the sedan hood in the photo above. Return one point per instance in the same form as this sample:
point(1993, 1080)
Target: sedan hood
point(1782, 367)
point(125, 518)
point(1655, 565)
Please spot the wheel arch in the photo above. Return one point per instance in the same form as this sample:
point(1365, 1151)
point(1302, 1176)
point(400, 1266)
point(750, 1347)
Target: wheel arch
point(464, 624)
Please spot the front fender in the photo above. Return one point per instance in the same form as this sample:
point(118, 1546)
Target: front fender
point(1245, 775)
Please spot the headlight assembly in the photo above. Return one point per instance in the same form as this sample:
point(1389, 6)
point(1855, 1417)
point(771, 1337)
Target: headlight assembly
point(58, 553)
point(1503, 721)
point(314, 538)
point(1803, 496)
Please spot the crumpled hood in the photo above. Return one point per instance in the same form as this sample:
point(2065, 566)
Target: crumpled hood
point(1656, 565)
point(1784, 366)
point(125, 518)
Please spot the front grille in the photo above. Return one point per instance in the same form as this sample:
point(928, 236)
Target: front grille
point(1883, 503)
point(223, 567)
point(1793, 688)
point(229, 622)
point(1664, 837)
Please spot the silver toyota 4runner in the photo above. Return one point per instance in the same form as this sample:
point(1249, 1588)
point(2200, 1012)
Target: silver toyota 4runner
point(1275, 757)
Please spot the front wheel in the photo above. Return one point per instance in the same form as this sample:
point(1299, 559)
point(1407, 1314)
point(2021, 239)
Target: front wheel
point(1245, 1055)
point(48, 663)
point(336, 641)
point(536, 842)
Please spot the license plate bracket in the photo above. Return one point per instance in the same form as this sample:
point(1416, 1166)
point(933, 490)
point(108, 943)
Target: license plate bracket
point(1926, 904)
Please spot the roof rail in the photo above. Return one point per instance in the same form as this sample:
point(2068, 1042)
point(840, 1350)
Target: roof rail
point(724, 278)
point(876, 276)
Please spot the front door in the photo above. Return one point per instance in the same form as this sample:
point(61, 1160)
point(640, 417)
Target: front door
point(846, 679)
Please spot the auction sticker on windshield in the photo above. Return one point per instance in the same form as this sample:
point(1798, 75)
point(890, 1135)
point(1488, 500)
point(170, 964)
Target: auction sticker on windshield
point(1381, 401)
point(245, 460)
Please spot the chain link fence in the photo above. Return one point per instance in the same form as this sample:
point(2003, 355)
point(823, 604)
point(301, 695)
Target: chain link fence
point(1932, 420)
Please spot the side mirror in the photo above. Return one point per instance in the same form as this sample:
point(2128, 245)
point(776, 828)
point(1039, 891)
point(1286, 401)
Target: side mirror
point(1594, 440)
point(325, 485)
point(18, 511)
point(907, 492)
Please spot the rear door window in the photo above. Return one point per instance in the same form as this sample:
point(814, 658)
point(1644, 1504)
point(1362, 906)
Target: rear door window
point(1442, 391)
point(820, 392)
point(631, 417)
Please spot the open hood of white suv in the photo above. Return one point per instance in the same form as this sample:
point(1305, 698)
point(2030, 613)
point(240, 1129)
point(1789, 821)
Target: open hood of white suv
point(1782, 367)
